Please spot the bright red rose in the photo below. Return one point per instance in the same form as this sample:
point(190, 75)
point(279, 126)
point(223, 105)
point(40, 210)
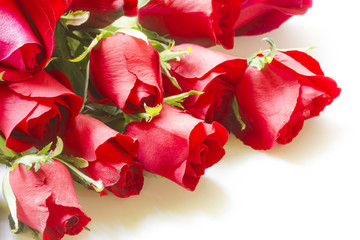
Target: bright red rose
point(105, 12)
point(261, 16)
point(111, 155)
point(213, 73)
point(178, 146)
point(46, 200)
point(275, 101)
point(34, 111)
point(206, 22)
point(125, 71)
point(27, 35)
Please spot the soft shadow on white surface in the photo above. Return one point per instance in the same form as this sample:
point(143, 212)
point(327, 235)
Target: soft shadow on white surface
point(158, 197)
point(317, 136)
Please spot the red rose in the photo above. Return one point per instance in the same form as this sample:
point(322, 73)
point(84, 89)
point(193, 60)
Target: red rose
point(46, 200)
point(206, 22)
point(261, 16)
point(110, 155)
point(213, 73)
point(27, 35)
point(178, 146)
point(34, 111)
point(275, 101)
point(105, 12)
point(125, 71)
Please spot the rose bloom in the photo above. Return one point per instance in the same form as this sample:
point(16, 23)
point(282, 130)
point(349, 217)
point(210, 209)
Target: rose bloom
point(34, 111)
point(104, 12)
point(261, 16)
point(275, 101)
point(46, 200)
point(111, 155)
point(206, 22)
point(27, 35)
point(125, 71)
point(178, 146)
point(214, 73)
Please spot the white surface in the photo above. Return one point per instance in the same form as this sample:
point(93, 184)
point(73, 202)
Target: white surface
point(308, 189)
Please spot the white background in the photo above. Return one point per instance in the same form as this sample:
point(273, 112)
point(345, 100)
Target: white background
point(308, 189)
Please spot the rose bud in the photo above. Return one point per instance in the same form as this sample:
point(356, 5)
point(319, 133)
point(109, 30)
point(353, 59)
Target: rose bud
point(259, 16)
point(46, 200)
point(111, 155)
point(275, 101)
point(178, 146)
point(213, 73)
point(206, 22)
point(125, 71)
point(34, 111)
point(27, 35)
point(104, 12)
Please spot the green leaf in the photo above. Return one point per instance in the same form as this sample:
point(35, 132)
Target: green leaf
point(176, 100)
point(11, 201)
point(235, 107)
point(74, 71)
point(142, 3)
point(75, 18)
point(82, 178)
point(154, 35)
point(87, 79)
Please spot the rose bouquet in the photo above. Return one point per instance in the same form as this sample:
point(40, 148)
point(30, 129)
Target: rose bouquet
point(102, 92)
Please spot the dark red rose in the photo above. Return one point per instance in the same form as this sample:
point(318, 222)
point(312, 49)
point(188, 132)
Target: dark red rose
point(111, 155)
point(34, 111)
point(27, 35)
point(105, 12)
point(46, 200)
point(261, 16)
point(125, 71)
point(178, 146)
point(275, 101)
point(206, 22)
point(213, 73)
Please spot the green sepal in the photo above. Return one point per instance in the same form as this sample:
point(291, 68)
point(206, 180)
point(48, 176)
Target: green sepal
point(11, 201)
point(235, 108)
point(7, 151)
point(259, 61)
point(76, 161)
point(76, 18)
point(1, 76)
point(80, 177)
point(88, 49)
point(134, 33)
point(168, 55)
point(12, 225)
point(142, 3)
point(43, 156)
point(151, 112)
point(165, 67)
point(176, 100)
point(45, 149)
